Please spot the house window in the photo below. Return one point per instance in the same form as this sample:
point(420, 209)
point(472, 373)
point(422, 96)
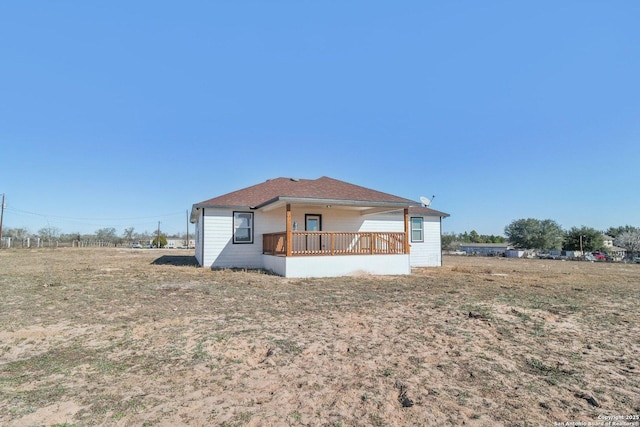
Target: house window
point(417, 229)
point(243, 227)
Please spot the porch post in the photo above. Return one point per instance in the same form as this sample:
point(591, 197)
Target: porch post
point(406, 231)
point(289, 238)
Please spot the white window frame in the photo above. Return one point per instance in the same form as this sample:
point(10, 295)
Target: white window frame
point(421, 229)
point(236, 217)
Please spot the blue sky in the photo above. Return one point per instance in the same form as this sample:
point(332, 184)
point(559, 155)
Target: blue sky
point(123, 114)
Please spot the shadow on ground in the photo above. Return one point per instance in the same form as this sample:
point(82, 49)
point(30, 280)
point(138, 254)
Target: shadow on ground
point(177, 260)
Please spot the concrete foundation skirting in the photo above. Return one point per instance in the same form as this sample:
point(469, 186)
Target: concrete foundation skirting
point(334, 266)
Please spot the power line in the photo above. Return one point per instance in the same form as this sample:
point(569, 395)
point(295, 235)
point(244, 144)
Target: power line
point(115, 222)
point(151, 217)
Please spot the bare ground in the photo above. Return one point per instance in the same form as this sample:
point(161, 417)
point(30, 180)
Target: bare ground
point(141, 337)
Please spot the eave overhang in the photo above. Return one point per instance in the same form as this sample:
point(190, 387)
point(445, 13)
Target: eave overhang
point(195, 209)
point(362, 204)
point(366, 207)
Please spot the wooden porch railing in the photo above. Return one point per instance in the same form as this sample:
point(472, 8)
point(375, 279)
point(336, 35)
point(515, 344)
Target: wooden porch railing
point(334, 243)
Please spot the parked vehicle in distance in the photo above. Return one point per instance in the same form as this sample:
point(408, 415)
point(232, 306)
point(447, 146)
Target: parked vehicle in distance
point(636, 260)
point(600, 256)
point(136, 246)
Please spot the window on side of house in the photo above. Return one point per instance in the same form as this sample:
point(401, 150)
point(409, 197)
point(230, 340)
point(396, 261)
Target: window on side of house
point(417, 229)
point(243, 227)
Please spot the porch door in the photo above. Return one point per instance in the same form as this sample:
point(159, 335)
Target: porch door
point(313, 222)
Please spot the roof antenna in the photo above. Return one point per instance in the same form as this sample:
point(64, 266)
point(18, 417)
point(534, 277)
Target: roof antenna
point(426, 202)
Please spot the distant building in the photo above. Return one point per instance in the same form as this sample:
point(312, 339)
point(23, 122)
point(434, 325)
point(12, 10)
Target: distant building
point(486, 249)
point(515, 253)
point(177, 243)
point(614, 251)
point(180, 243)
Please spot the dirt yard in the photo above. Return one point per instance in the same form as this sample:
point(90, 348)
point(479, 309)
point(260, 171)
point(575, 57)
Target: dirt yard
point(122, 337)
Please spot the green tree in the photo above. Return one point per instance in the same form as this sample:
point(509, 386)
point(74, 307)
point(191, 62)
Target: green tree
point(475, 237)
point(448, 240)
point(496, 239)
point(163, 241)
point(592, 239)
point(531, 233)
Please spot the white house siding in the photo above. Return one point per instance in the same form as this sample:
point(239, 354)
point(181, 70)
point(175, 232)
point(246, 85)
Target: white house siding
point(332, 219)
point(422, 254)
point(218, 250)
point(199, 238)
point(336, 219)
point(393, 222)
point(429, 252)
point(270, 222)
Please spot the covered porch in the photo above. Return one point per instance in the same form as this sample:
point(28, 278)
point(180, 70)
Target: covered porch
point(322, 253)
point(291, 242)
point(323, 243)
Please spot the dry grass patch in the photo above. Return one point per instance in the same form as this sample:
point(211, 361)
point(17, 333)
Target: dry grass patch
point(142, 337)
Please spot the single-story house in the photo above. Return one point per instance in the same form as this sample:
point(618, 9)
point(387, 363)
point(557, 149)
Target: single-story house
point(316, 228)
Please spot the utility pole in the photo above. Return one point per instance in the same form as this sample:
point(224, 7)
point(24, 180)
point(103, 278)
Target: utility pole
point(158, 239)
point(1, 217)
point(187, 228)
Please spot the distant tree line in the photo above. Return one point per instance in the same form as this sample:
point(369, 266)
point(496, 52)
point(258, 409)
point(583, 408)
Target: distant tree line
point(450, 240)
point(546, 235)
point(474, 237)
point(53, 235)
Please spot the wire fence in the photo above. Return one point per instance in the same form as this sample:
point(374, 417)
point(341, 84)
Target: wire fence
point(36, 242)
